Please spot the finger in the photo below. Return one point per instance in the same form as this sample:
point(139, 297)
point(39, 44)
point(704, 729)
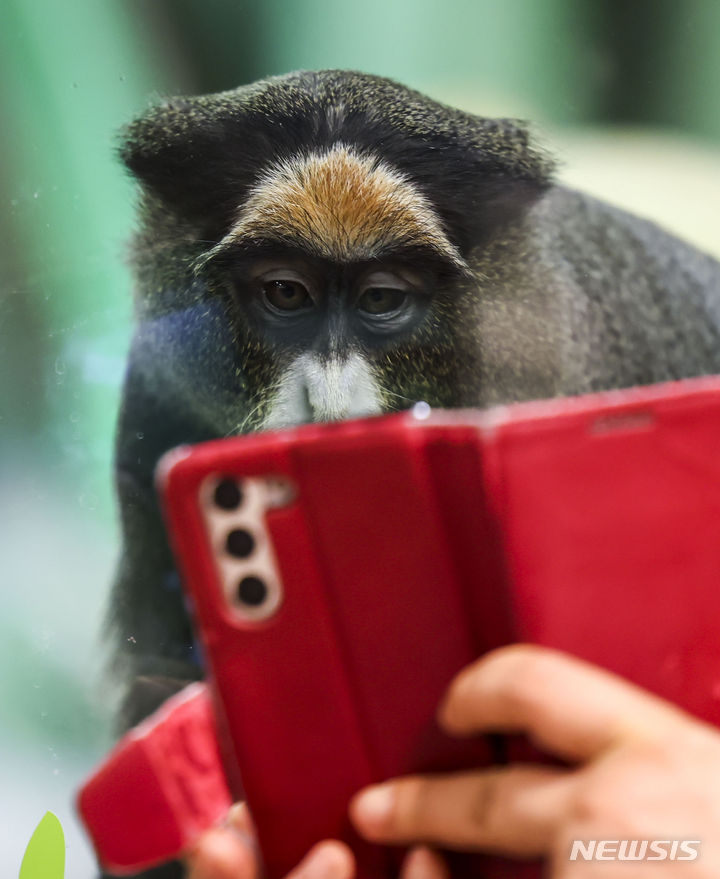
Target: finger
point(423, 863)
point(222, 854)
point(239, 819)
point(326, 860)
point(515, 810)
point(567, 706)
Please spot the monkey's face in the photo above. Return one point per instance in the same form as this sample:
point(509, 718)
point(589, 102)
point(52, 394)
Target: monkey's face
point(326, 341)
point(334, 217)
point(342, 285)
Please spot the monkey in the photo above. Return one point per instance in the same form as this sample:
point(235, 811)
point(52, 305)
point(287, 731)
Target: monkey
point(328, 245)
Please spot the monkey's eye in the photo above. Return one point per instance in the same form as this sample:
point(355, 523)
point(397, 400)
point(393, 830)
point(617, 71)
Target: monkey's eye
point(381, 300)
point(286, 295)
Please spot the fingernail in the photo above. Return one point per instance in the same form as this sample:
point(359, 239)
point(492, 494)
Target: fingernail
point(237, 821)
point(375, 805)
point(237, 815)
point(420, 864)
point(327, 861)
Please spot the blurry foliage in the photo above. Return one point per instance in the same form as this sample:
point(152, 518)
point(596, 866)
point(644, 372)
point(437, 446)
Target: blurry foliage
point(45, 853)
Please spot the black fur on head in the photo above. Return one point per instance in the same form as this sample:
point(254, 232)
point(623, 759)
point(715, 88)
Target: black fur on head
point(200, 156)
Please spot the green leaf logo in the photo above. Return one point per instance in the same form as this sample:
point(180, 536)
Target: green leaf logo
point(45, 855)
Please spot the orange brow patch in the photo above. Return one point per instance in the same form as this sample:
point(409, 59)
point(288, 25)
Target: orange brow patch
point(342, 205)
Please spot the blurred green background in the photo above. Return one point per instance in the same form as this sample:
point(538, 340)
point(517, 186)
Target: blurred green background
point(628, 94)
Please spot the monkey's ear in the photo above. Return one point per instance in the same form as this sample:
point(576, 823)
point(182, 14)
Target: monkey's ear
point(489, 176)
point(194, 158)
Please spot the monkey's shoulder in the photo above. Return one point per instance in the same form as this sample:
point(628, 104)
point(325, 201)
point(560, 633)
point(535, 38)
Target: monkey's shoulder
point(588, 230)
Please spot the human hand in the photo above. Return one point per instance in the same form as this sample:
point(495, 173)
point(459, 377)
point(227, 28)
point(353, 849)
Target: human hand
point(230, 852)
point(644, 770)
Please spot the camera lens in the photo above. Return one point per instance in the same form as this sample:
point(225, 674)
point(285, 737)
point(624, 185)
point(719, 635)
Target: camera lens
point(227, 494)
point(240, 543)
point(252, 591)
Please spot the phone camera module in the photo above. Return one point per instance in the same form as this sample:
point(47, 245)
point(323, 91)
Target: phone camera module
point(227, 494)
point(240, 543)
point(238, 535)
point(252, 591)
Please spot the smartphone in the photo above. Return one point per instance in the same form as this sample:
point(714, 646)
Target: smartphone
point(336, 592)
point(342, 574)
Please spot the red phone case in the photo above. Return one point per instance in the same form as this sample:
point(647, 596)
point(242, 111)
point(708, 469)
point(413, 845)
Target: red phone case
point(394, 580)
point(415, 545)
point(611, 524)
point(159, 788)
point(380, 610)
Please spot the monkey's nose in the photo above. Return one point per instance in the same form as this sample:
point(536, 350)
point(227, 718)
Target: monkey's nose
point(330, 385)
point(328, 389)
